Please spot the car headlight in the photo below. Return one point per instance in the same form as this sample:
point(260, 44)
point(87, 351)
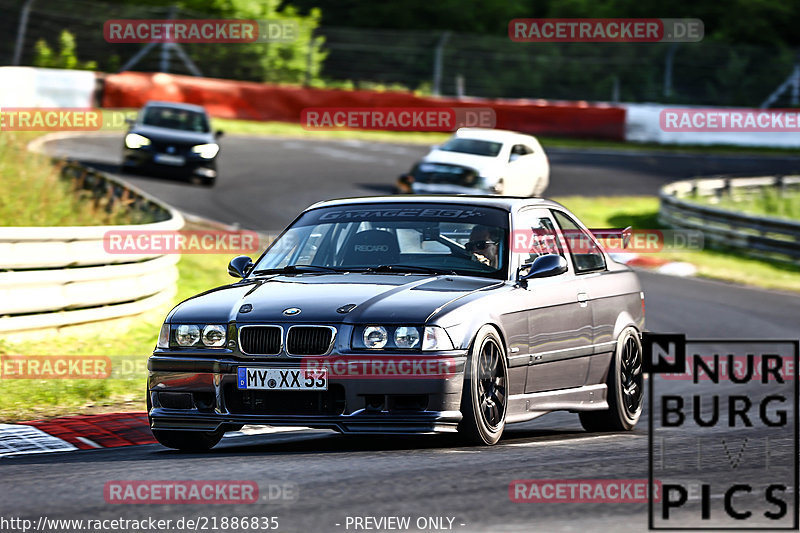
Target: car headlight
point(214, 335)
point(163, 337)
point(436, 338)
point(187, 335)
point(406, 337)
point(375, 337)
point(206, 151)
point(208, 335)
point(135, 141)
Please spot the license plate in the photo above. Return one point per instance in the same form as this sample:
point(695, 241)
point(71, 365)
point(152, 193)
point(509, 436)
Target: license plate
point(282, 379)
point(166, 159)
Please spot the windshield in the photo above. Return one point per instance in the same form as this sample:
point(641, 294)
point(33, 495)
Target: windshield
point(416, 238)
point(175, 119)
point(472, 146)
point(443, 173)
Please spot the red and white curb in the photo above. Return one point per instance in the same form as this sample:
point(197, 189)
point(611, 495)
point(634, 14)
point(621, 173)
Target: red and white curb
point(86, 432)
point(662, 266)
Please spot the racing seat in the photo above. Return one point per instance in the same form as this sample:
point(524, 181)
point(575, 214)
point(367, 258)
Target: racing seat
point(371, 248)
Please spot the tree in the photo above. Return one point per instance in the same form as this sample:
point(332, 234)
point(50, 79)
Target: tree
point(66, 56)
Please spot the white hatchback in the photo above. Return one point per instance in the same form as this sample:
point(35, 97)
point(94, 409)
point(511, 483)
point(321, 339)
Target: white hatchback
point(477, 160)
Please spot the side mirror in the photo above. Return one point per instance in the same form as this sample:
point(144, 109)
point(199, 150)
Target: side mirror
point(513, 157)
point(544, 266)
point(240, 266)
point(130, 121)
point(218, 133)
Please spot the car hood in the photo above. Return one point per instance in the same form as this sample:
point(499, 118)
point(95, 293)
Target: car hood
point(377, 298)
point(486, 166)
point(175, 136)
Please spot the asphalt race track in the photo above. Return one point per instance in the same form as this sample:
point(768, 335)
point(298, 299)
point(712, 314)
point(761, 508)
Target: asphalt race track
point(265, 182)
point(263, 185)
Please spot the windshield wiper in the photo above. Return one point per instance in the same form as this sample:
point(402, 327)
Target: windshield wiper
point(296, 269)
point(408, 268)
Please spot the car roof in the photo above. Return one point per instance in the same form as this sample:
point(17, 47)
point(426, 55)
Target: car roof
point(176, 105)
point(487, 134)
point(508, 203)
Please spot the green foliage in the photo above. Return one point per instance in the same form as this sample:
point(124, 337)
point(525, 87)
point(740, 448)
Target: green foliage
point(278, 62)
point(66, 57)
point(767, 201)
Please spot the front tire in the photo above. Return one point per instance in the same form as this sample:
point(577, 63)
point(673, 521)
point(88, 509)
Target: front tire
point(625, 388)
point(484, 399)
point(190, 441)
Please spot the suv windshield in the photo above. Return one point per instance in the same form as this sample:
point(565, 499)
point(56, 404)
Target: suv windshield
point(175, 119)
point(472, 146)
point(419, 238)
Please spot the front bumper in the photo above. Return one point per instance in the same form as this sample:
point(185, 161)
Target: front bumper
point(144, 159)
point(201, 394)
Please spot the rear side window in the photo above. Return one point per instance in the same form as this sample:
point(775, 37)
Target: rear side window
point(586, 255)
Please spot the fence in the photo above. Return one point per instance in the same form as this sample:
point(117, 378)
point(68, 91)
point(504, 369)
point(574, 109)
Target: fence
point(52, 277)
point(489, 66)
point(753, 235)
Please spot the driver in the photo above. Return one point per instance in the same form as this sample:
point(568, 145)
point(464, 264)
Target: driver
point(483, 243)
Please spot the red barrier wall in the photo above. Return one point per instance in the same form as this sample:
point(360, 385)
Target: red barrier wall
point(257, 101)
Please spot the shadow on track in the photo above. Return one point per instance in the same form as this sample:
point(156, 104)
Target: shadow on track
point(302, 443)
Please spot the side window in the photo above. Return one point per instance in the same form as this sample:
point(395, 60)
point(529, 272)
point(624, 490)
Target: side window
point(535, 235)
point(517, 151)
point(586, 255)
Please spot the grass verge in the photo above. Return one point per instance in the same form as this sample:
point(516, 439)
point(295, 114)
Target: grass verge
point(35, 195)
point(767, 201)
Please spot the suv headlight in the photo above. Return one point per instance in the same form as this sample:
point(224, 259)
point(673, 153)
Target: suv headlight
point(135, 141)
point(206, 151)
point(375, 337)
point(200, 335)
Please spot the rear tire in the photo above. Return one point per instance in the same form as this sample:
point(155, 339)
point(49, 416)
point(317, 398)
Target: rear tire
point(625, 388)
point(194, 441)
point(484, 398)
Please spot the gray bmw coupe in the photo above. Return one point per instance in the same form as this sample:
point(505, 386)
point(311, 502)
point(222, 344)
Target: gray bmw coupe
point(407, 315)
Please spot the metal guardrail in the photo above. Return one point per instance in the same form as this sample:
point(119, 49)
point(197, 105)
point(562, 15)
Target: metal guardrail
point(751, 234)
point(58, 276)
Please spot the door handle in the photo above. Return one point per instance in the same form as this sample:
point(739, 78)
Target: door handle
point(583, 299)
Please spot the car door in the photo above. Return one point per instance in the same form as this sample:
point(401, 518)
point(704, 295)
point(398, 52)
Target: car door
point(524, 169)
point(559, 322)
point(599, 291)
